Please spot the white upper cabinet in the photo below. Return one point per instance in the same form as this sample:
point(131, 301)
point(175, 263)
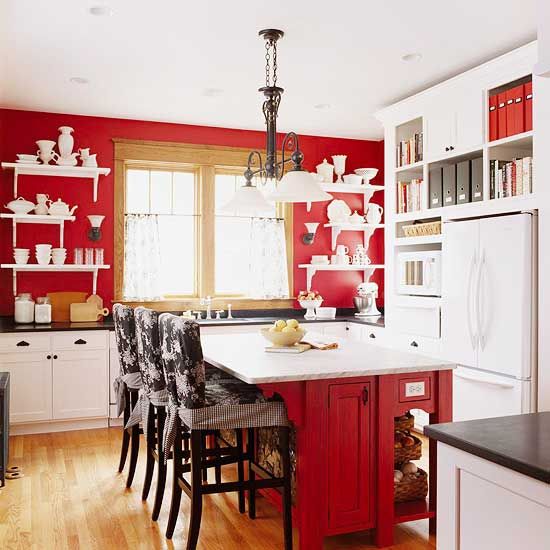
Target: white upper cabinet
point(454, 121)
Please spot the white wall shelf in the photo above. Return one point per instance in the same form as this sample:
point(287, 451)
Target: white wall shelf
point(367, 190)
point(427, 239)
point(337, 228)
point(93, 269)
point(415, 167)
point(522, 141)
point(312, 269)
point(54, 170)
point(46, 219)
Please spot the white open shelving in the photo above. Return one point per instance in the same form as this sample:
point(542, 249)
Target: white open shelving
point(337, 228)
point(21, 169)
point(312, 269)
point(368, 190)
point(45, 219)
point(82, 268)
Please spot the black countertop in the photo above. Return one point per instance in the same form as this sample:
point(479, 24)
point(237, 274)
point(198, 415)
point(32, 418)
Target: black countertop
point(521, 443)
point(7, 324)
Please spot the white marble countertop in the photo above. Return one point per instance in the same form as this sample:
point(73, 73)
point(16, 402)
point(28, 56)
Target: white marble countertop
point(244, 356)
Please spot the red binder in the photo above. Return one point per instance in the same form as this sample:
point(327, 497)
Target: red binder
point(501, 115)
point(515, 115)
point(493, 118)
point(528, 89)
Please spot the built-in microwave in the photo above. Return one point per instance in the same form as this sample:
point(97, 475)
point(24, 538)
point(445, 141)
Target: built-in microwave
point(419, 273)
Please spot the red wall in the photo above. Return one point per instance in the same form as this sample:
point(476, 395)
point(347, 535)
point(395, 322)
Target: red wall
point(20, 129)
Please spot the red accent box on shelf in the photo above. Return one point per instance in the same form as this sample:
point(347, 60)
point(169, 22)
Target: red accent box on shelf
point(493, 118)
point(515, 112)
point(501, 114)
point(528, 90)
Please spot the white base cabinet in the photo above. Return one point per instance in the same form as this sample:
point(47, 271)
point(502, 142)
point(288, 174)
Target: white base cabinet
point(483, 505)
point(56, 376)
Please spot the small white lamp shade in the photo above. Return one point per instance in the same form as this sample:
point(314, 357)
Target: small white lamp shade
point(311, 227)
point(299, 186)
point(248, 201)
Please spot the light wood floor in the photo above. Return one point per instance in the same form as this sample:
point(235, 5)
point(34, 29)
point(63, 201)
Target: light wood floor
point(71, 497)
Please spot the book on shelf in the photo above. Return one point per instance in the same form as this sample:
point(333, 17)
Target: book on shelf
point(410, 151)
point(511, 178)
point(411, 196)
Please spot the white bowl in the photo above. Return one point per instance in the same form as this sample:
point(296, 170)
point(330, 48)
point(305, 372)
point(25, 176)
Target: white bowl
point(21, 259)
point(309, 304)
point(325, 312)
point(366, 173)
point(353, 179)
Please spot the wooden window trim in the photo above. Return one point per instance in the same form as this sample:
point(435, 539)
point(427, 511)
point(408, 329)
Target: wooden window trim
point(206, 159)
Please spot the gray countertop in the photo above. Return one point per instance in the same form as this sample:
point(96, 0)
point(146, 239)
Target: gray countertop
point(7, 324)
point(520, 442)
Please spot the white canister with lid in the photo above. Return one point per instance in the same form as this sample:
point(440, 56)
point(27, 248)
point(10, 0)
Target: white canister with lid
point(24, 308)
point(43, 310)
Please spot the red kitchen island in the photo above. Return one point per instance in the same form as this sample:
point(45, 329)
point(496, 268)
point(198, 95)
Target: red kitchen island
point(343, 403)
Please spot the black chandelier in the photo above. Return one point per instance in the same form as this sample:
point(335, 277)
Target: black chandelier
point(295, 185)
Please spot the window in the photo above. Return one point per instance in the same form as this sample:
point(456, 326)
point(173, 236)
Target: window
point(178, 245)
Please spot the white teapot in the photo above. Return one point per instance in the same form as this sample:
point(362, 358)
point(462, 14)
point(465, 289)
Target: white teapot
point(60, 208)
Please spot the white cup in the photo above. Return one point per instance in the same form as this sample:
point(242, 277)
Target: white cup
point(59, 251)
point(59, 259)
point(43, 248)
point(43, 258)
point(342, 250)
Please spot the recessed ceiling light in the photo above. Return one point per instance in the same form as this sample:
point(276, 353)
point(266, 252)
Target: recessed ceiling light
point(79, 80)
point(322, 106)
point(101, 10)
point(411, 57)
point(212, 92)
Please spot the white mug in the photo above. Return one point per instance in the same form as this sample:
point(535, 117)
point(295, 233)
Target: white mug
point(342, 250)
point(374, 213)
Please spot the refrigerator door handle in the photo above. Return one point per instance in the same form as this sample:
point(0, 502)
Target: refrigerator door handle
point(473, 335)
point(478, 300)
point(483, 381)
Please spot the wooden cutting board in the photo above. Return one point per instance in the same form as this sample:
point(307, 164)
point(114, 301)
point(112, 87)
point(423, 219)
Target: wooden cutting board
point(61, 303)
point(86, 312)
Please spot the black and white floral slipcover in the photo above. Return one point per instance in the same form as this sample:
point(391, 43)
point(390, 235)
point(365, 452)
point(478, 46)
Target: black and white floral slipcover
point(153, 390)
point(232, 404)
point(125, 334)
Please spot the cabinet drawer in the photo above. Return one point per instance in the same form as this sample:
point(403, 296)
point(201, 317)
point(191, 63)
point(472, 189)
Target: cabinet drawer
point(76, 340)
point(417, 344)
point(418, 320)
point(24, 342)
point(376, 335)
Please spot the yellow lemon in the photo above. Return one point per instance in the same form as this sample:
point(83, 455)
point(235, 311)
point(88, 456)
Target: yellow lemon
point(280, 324)
point(292, 323)
point(289, 329)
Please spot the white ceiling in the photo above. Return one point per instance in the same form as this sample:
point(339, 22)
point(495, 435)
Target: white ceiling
point(153, 60)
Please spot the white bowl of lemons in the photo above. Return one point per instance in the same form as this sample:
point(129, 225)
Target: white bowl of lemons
point(284, 334)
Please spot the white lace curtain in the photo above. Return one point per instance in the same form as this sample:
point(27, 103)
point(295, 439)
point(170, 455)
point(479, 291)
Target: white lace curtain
point(268, 267)
point(141, 258)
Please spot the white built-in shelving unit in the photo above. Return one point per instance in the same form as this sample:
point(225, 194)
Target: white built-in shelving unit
point(312, 269)
point(45, 219)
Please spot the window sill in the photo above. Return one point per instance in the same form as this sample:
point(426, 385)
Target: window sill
point(217, 303)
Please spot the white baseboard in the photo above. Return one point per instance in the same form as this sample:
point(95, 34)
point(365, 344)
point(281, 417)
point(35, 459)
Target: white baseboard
point(58, 426)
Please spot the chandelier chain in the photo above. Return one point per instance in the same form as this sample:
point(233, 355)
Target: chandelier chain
point(267, 62)
point(270, 55)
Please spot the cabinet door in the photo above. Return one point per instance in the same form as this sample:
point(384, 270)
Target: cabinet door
point(440, 128)
point(460, 262)
point(351, 487)
point(468, 119)
point(30, 386)
point(80, 384)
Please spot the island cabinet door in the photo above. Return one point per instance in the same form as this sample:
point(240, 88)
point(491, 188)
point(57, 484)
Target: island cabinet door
point(350, 463)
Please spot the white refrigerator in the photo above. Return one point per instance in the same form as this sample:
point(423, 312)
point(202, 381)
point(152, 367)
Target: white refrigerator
point(488, 314)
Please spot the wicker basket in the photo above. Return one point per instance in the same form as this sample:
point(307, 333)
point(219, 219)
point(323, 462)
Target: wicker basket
point(422, 229)
point(411, 487)
point(401, 424)
point(405, 454)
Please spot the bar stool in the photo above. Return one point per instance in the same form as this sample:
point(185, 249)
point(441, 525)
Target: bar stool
point(197, 410)
point(127, 384)
point(153, 400)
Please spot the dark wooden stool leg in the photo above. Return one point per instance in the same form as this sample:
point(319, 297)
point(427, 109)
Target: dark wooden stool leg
point(176, 489)
point(217, 469)
point(125, 434)
point(251, 442)
point(150, 463)
point(196, 490)
point(240, 469)
point(287, 494)
point(134, 451)
point(205, 469)
point(161, 467)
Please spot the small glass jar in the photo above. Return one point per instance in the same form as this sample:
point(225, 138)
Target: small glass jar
point(78, 256)
point(99, 256)
point(43, 310)
point(89, 256)
point(24, 308)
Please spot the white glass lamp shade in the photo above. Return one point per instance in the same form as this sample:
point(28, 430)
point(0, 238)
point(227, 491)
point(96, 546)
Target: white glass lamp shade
point(311, 227)
point(299, 186)
point(248, 201)
point(96, 220)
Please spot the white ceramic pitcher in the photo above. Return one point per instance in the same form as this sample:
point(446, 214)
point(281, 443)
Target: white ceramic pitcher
point(374, 213)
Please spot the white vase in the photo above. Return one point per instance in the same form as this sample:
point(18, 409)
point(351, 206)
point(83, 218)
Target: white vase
point(65, 141)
